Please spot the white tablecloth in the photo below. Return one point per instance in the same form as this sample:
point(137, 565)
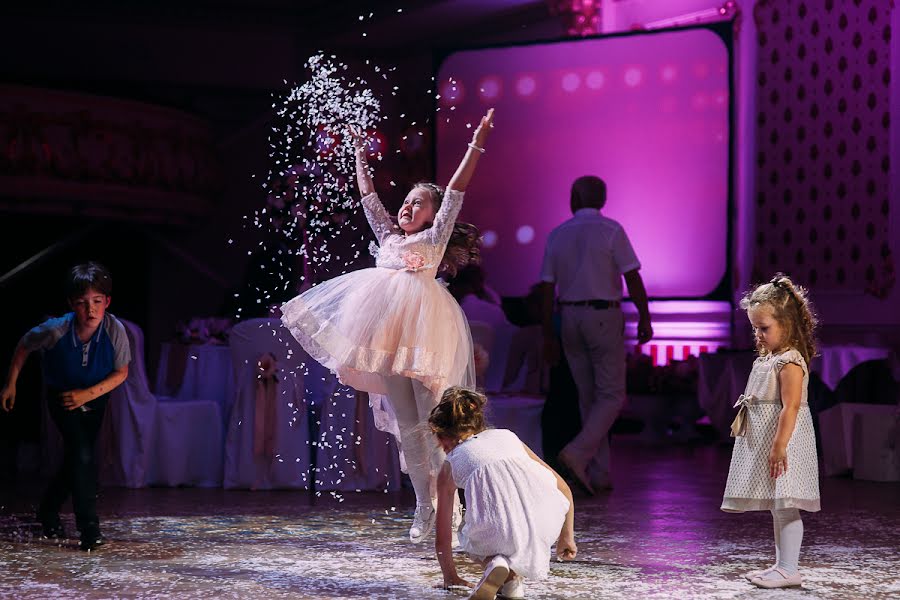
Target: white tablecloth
point(835, 362)
point(207, 373)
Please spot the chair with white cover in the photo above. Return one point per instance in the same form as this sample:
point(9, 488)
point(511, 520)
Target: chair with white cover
point(126, 446)
point(267, 443)
point(351, 454)
point(188, 435)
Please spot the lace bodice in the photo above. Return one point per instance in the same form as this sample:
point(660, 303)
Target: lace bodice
point(422, 251)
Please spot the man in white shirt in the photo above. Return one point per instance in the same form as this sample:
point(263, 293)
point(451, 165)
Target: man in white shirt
point(585, 260)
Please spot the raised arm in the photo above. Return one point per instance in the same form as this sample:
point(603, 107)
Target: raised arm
point(378, 218)
point(363, 177)
point(466, 169)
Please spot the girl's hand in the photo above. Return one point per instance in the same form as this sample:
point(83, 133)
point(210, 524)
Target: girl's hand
point(358, 139)
point(456, 581)
point(483, 129)
point(74, 398)
point(8, 396)
point(778, 464)
point(565, 547)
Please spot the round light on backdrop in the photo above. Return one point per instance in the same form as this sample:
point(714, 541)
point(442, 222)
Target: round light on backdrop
point(490, 88)
point(595, 80)
point(633, 77)
point(452, 92)
point(525, 234)
point(489, 239)
point(668, 73)
point(571, 82)
point(526, 85)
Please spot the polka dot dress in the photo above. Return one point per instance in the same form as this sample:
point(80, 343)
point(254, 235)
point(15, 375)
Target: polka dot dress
point(749, 486)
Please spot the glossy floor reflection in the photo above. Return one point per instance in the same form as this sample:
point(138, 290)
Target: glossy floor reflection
point(658, 534)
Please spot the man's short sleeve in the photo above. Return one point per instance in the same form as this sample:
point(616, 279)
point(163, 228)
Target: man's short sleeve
point(45, 335)
point(548, 271)
point(121, 348)
point(623, 254)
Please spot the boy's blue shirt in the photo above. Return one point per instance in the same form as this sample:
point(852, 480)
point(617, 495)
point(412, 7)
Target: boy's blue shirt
point(69, 364)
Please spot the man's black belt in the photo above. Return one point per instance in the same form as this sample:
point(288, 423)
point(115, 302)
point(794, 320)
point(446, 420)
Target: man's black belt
point(599, 304)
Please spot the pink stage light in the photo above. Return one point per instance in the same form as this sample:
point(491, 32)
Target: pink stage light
point(633, 77)
point(668, 73)
point(451, 92)
point(490, 88)
point(526, 85)
point(525, 234)
point(571, 82)
point(595, 80)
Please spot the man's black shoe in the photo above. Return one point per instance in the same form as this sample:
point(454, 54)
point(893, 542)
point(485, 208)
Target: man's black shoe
point(52, 527)
point(92, 541)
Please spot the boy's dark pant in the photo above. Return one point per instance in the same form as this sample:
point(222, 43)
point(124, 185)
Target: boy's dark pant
point(78, 473)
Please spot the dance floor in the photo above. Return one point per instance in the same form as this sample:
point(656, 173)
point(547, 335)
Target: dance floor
point(658, 534)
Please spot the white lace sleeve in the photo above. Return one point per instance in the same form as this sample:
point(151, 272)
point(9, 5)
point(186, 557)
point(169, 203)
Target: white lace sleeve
point(378, 217)
point(446, 216)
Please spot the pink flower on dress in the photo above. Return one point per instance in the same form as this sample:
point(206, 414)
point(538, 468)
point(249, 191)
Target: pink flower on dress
point(413, 261)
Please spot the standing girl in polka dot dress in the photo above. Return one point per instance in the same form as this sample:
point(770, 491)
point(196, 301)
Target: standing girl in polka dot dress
point(774, 465)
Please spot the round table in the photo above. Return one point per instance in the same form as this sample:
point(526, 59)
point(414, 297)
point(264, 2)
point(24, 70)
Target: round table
point(196, 372)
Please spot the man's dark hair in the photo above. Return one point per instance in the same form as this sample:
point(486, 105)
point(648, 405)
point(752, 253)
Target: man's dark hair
point(90, 275)
point(588, 192)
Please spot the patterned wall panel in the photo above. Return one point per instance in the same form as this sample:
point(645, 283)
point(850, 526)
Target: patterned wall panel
point(822, 164)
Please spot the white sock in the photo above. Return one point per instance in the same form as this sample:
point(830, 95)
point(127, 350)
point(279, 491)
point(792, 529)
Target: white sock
point(788, 539)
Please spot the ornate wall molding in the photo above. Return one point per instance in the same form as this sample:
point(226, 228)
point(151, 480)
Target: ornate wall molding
point(77, 154)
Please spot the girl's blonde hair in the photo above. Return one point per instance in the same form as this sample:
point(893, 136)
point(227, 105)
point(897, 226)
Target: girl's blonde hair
point(459, 412)
point(791, 308)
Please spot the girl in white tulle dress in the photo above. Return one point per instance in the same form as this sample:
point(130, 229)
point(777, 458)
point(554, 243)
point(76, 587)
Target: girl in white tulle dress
point(393, 330)
point(516, 505)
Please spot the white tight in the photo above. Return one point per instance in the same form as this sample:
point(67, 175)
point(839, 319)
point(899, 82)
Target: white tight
point(788, 538)
point(412, 403)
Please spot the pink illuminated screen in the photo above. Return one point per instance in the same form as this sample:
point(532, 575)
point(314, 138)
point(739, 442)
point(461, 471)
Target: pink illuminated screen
point(647, 112)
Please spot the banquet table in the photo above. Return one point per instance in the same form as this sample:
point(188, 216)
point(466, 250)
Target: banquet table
point(196, 372)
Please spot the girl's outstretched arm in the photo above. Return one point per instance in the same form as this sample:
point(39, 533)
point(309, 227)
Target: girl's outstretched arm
point(466, 169)
point(442, 529)
point(565, 544)
point(363, 178)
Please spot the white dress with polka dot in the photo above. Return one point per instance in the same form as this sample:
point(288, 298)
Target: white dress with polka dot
point(749, 486)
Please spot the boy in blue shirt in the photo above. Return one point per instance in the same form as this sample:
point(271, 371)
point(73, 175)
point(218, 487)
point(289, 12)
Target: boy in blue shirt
point(85, 356)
